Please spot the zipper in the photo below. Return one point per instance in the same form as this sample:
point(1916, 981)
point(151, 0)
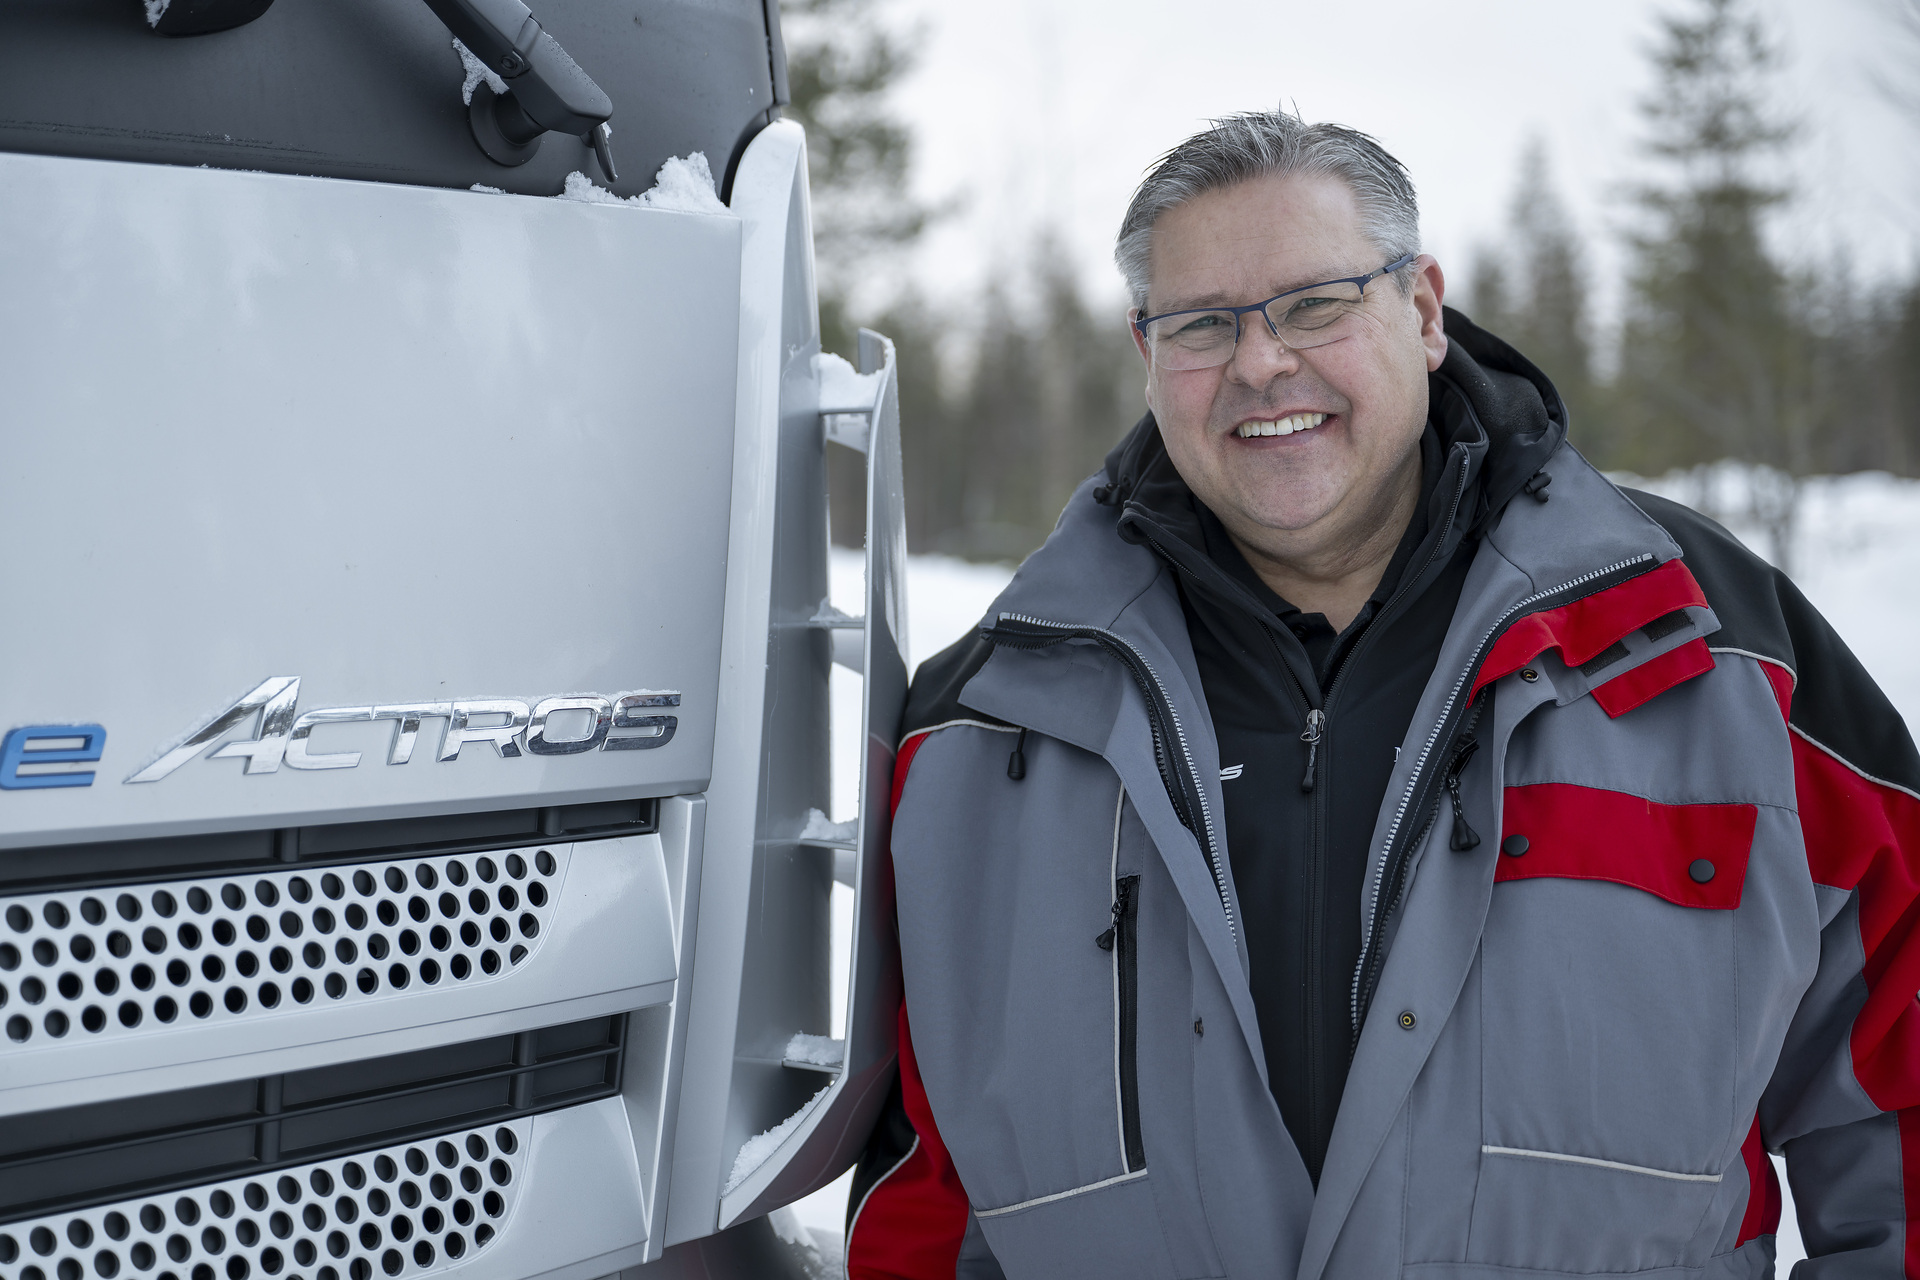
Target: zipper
point(1188, 796)
point(1389, 876)
point(1464, 836)
point(1126, 969)
point(1316, 722)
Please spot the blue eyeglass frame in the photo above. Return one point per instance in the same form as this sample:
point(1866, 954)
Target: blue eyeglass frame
point(1362, 281)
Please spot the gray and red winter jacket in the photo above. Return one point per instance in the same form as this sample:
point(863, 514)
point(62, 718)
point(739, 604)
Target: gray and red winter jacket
point(1685, 937)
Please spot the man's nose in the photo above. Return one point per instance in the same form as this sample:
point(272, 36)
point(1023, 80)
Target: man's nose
point(1259, 357)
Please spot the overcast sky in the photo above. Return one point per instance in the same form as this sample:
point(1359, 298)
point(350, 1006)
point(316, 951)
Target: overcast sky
point(1045, 112)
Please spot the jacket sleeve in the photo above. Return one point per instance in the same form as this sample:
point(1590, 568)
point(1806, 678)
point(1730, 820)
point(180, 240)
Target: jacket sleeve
point(1844, 1101)
point(908, 1217)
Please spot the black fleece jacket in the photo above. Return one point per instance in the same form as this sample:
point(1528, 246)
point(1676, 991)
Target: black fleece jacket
point(1309, 721)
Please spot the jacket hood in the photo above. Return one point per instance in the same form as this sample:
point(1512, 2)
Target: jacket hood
point(1485, 395)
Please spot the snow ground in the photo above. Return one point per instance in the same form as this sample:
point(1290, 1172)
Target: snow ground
point(1856, 554)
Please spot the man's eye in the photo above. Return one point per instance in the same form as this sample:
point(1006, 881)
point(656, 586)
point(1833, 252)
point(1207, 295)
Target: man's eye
point(1200, 324)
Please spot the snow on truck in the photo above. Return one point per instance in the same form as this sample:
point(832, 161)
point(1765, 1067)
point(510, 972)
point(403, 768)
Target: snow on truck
point(415, 677)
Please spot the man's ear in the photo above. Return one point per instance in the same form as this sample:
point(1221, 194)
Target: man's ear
point(1140, 345)
point(1429, 287)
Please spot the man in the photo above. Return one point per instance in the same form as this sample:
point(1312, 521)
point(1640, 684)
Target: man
point(1365, 842)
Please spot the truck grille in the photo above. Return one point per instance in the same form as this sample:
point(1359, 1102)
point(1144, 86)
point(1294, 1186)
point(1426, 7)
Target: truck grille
point(436, 1132)
point(144, 959)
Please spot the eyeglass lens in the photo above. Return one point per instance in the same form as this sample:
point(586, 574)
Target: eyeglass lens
point(1203, 339)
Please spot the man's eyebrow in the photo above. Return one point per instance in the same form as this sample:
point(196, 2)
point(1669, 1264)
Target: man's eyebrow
point(1204, 301)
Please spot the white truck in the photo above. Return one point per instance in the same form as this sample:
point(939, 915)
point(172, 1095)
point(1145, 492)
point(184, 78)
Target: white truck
point(414, 682)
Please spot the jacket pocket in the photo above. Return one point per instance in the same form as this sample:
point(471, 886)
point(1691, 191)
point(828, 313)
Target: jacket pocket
point(1609, 1052)
point(1124, 939)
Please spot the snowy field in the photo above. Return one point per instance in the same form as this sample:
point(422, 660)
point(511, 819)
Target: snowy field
point(1856, 554)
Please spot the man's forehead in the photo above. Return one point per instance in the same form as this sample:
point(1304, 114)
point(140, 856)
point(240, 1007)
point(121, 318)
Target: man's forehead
point(1255, 239)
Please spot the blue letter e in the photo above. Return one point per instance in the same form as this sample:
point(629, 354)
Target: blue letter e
point(17, 749)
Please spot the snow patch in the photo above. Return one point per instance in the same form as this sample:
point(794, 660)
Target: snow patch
point(818, 1051)
point(486, 190)
point(754, 1152)
point(476, 69)
point(820, 828)
point(156, 10)
point(684, 184)
point(841, 385)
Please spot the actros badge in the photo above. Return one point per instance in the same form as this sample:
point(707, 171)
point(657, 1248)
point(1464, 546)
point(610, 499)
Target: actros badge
point(624, 722)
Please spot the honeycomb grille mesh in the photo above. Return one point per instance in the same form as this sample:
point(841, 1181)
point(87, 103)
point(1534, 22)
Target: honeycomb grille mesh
point(147, 958)
point(405, 1210)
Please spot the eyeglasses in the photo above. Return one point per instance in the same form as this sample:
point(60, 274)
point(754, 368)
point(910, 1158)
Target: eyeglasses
point(1311, 316)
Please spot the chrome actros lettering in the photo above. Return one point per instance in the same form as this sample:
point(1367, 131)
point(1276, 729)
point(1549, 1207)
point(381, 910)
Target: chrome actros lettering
point(549, 727)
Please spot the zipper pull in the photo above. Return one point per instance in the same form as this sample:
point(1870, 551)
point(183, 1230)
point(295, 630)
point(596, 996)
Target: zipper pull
point(1017, 762)
point(1122, 895)
point(1464, 836)
point(1316, 724)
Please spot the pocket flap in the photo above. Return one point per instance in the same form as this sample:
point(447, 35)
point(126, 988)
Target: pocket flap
point(1693, 855)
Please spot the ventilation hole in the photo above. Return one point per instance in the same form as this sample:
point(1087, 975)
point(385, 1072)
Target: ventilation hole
point(321, 1181)
point(44, 952)
point(396, 879)
point(106, 1263)
point(198, 901)
point(291, 924)
point(368, 981)
point(179, 1248)
point(186, 1211)
point(304, 1253)
point(490, 962)
point(345, 951)
point(393, 1262)
point(543, 862)
point(356, 916)
point(189, 935)
point(19, 1030)
point(338, 1244)
point(221, 1203)
point(69, 1269)
point(247, 1232)
point(322, 920)
point(429, 973)
point(55, 914)
point(213, 968)
point(460, 966)
point(398, 977)
point(299, 890)
point(258, 929)
point(130, 1013)
point(537, 894)
point(314, 955)
point(237, 1268)
point(92, 910)
point(360, 1269)
point(301, 990)
point(331, 886)
point(223, 932)
point(346, 1208)
point(455, 1245)
point(71, 986)
point(19, 919)
point(416, 1160)
point(516, 866)
point(119, 945)
point(354, 1175)
point(265, 892)
point(141, 1256)
point(482, 1236)
point(314, 1217)
point(43, 1241)
point(246, 964)
point(32, 990)
point(165, 1009)
point(152, 1218)
point(213, 1240)
point(508, 897)
point(446, 1153)
point(281, 959)
point(363, 883)
point(80, 1233)
point(336, 985)
point(141, 975)
point(164, 904)
point(401, 1228)
point(388, 913)
point(418, 908)
point(409, 942)
point(499, 929)
point(271, 1261)
point(179, 973)
point(236, 1000)
point(463, 1212)
point(55, 1023)
point(485, 869)
point(201, 1271)
point(377, 946)
point(469, 932)
point(529, 926)
point(470, 1179)
point(370, 1236)
point(9, 956)
point(439, 1187)
point(234, 896)
point(268, 995)
point(93, 1017)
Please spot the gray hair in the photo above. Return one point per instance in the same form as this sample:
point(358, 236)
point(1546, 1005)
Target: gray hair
point(1257, 143)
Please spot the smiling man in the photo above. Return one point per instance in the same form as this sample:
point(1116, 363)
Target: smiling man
point(1365, 842)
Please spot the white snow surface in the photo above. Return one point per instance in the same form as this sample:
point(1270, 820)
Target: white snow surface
point(844, 387)
point(754, 1152)
point(156, 10)
point(486, 190)
point(476, 70)
point(819, 1051)
point(821, 827)
point(684, 184)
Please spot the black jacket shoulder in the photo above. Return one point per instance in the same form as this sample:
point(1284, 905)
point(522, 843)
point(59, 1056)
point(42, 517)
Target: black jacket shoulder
point(1761, 612)
point(934, 696)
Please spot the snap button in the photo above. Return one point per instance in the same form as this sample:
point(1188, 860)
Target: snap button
point(1407, 1020)
point(1701, 870)
point(1529, 675)
point(1515, 845)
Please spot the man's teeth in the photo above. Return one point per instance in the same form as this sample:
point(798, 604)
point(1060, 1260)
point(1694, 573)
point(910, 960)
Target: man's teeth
point(1282, 427)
